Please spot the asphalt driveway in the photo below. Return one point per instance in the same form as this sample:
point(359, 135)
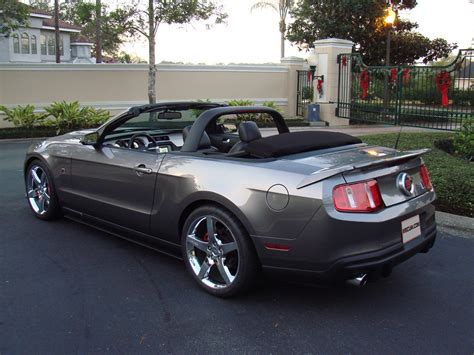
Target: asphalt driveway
point(66, 288)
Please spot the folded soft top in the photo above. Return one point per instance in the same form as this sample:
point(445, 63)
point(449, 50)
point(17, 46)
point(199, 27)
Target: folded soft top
point(298, 142)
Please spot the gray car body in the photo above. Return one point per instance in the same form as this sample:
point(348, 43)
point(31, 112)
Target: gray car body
point(99, 185)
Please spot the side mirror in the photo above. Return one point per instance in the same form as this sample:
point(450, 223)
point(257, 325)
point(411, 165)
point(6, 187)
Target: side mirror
point(90, 138)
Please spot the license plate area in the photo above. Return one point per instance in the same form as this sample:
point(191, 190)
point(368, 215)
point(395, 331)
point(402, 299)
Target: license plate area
point(411, 229)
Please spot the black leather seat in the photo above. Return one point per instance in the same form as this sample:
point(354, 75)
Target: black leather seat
point(204, 143)
point(248, 132)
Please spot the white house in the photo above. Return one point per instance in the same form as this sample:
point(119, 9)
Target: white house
point(36, 43)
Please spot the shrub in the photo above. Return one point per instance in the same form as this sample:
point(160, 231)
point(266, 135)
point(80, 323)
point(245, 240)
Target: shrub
point(23, 116)
point(265, 118)
point(445, 145)
point(66, 116)
point(259, 118)
point(307, 93)
point(96, 117)
point(195, 112)
point(464, 141)
point(243, 116)
point(462, 97)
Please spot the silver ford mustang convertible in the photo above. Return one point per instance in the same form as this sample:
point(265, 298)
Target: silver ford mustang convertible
point(321, 205)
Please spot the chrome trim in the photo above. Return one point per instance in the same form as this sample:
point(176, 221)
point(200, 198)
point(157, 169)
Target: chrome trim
point(358, 281)
point(211, 260)
point(401, 179)
point(38, 190)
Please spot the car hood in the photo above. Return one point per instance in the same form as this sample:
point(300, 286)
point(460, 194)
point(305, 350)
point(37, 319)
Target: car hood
point(75, 136)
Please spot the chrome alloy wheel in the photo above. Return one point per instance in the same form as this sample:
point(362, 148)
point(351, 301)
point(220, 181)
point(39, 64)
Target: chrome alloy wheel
point(38, 190)
point(212, 252)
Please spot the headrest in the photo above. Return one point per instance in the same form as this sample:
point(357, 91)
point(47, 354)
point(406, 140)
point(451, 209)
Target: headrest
point(248, 131)
point(205, 141)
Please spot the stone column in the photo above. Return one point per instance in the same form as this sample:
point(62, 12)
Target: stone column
point(81, 52)
point(294, 64)
point(326, 52)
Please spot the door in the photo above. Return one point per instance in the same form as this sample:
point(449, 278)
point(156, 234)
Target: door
point(115, 184)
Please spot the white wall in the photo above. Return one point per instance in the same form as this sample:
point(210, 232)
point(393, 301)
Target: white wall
point(118, 86)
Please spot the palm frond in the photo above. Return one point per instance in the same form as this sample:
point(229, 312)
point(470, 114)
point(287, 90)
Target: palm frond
point(264, 5)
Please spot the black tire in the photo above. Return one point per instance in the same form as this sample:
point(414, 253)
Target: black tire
point(53, 209)
point(248, 266)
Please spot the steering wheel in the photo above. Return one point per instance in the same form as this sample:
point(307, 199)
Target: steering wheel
point(141, 143)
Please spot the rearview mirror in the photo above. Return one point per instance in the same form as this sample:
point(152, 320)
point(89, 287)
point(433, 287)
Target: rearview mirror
point(90, 138)
point(169, 115)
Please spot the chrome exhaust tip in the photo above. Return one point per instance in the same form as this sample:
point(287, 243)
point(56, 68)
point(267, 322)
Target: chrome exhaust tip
point(358, 281)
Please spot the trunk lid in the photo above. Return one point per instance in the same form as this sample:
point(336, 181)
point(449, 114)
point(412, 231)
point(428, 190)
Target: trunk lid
point(385, 165)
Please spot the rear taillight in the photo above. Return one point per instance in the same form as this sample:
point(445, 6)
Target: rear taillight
point(425, 178)
point(359, 197)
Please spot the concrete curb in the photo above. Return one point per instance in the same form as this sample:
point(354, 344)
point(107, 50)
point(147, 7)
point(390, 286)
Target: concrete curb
point(463, 226)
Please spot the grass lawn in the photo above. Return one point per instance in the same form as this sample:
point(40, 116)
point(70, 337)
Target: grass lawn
point(453, 178)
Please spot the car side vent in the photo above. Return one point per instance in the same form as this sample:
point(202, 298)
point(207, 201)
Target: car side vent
point(162, 138)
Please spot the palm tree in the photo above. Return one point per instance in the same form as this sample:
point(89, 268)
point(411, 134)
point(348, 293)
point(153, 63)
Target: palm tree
point(56, 31)
point(283, 7)
point(98, 31)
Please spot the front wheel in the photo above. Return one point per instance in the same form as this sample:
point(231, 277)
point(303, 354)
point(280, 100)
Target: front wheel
point(40, 191)
point(218, 252)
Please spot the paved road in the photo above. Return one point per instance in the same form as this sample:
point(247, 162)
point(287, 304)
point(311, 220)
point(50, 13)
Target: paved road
point(66, 288)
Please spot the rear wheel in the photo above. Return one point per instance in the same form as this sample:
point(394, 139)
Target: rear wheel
point(40, 191)
point(218, 252)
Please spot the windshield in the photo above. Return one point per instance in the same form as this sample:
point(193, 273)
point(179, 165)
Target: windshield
point(158, 121)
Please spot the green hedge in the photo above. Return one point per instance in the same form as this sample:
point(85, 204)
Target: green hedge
point(19, 132)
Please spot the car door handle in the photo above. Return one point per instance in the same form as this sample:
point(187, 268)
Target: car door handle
point(226, 140)
point(142, 169)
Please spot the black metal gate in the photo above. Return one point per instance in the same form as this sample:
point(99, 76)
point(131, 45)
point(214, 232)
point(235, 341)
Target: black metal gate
point(304, 92)
point(439, 97)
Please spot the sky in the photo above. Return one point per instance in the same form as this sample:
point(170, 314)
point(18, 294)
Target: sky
point(253, 36)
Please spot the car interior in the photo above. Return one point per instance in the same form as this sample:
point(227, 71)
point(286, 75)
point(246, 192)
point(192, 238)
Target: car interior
point(167, 131)
point(162, 133)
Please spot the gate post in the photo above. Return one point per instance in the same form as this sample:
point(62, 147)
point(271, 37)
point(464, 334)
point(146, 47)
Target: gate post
point(326, 52)
point(294, 64)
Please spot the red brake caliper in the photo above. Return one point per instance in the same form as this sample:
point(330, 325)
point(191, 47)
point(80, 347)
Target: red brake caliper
point(206, 237)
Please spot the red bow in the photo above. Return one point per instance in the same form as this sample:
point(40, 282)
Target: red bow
point(394, 74)
point(443, 82)
point(319, 87)
point(364, 82)
point(406, 75)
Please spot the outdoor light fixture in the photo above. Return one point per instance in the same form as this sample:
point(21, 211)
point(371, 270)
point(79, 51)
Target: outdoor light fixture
point(391, 16)
point(312, 61)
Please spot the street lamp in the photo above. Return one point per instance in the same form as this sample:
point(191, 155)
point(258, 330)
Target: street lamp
point(390, 17)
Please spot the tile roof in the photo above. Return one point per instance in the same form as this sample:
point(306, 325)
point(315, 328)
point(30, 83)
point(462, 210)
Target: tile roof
point(62, 24)
point(34, 10)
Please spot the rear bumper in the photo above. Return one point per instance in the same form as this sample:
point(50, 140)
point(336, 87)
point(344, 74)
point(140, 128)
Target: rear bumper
point(378, 262)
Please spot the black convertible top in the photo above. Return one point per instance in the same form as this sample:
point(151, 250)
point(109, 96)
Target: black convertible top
point(298, 142)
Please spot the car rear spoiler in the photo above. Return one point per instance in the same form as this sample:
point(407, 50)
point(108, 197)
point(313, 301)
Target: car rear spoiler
point(325, 173)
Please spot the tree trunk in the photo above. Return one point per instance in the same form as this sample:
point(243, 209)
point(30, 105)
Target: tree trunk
point(282, 37)
point(151, 54)
point(282, 45)
point(98, 31)
point(56, 31)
